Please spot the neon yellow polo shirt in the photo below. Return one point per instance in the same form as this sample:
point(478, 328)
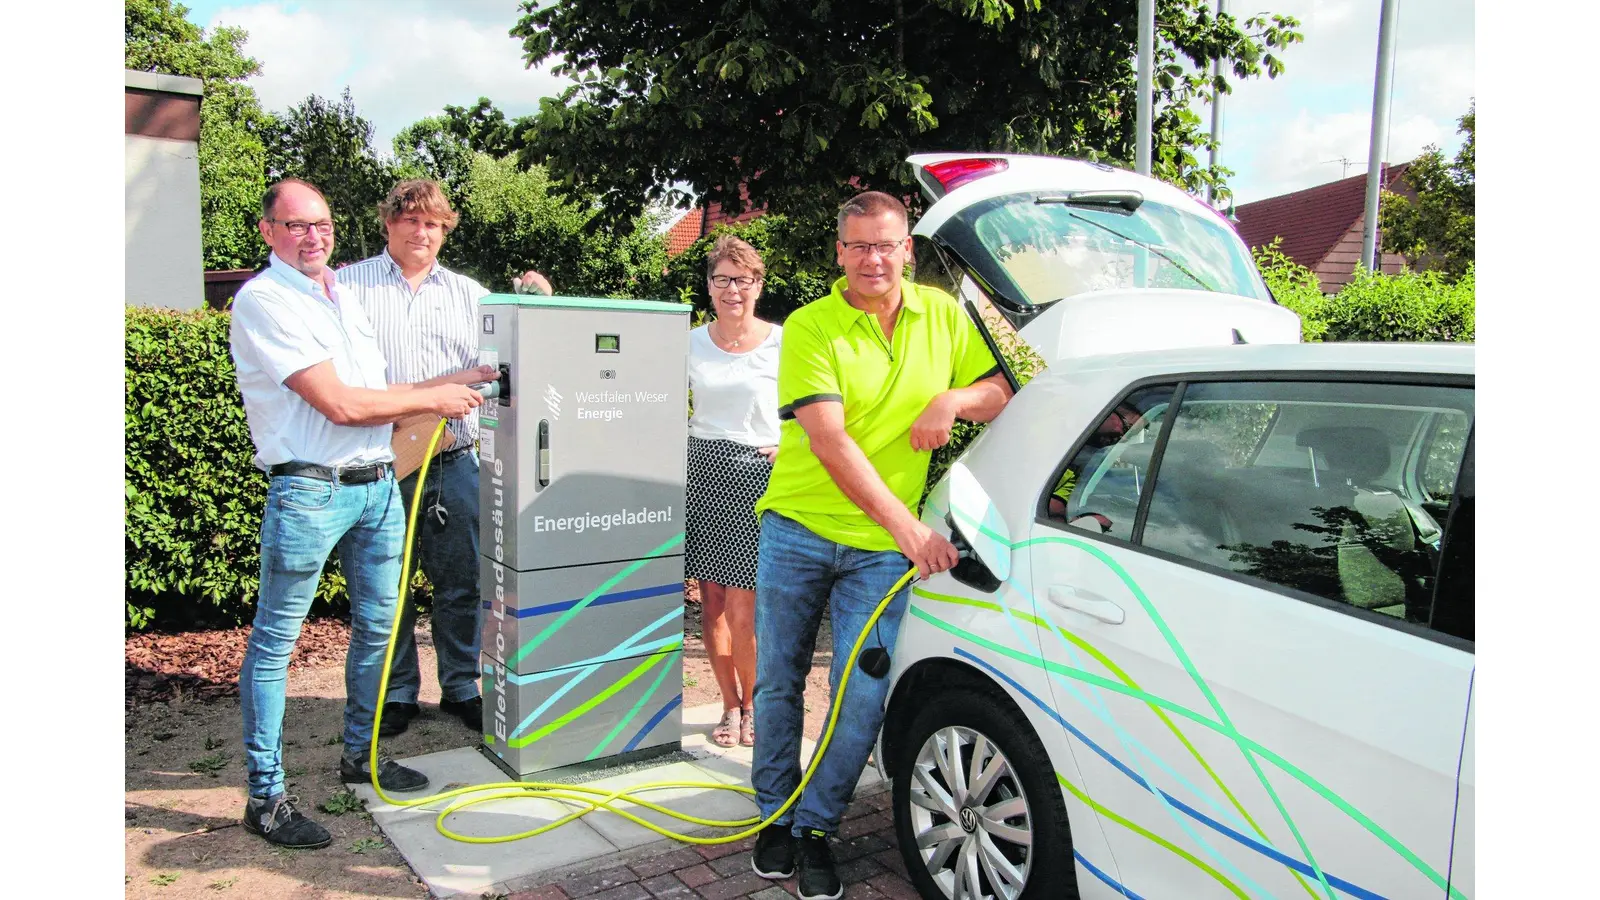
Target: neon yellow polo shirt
point(833, 351)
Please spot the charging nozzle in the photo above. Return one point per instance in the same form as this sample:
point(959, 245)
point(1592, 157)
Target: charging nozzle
point(489, 389)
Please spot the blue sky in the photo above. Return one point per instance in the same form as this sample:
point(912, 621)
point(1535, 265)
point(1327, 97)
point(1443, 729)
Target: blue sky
point(406, 59)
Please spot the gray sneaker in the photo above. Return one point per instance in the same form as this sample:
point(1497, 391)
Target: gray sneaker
point(276, 819)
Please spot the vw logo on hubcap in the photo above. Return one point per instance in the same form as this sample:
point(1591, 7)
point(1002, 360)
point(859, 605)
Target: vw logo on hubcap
point(969, 819)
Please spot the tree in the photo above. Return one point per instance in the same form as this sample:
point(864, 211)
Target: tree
point(793, 101)
point(512, 221)
point(330, 145)
point(442, 147)
point(1438, 229)
point(158, 37)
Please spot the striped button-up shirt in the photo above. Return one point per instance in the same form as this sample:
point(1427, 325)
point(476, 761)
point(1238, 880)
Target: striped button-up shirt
point(423, 334)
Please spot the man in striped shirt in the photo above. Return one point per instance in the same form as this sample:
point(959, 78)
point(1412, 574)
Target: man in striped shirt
point(426, 320)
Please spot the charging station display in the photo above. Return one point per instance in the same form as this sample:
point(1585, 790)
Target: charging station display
point(581, 529)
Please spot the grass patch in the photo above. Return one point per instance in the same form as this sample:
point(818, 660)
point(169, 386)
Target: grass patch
point(340, 802)
point(210, 764)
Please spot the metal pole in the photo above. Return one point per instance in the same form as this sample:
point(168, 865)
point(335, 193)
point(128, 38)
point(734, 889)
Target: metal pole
point(1216, 112)
point(1380, 133)
point(1147, 40)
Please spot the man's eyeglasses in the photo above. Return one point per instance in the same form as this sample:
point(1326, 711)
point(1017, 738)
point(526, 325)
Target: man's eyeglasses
point(883, 248)
point(743, 281)
point(299, 229)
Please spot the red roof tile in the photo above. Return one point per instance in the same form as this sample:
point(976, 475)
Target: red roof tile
point(685, 231)
point(1310, 221)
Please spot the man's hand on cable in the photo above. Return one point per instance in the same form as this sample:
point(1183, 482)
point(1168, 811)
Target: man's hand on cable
point(452, 401)
point(928, 550)
point(931, 430)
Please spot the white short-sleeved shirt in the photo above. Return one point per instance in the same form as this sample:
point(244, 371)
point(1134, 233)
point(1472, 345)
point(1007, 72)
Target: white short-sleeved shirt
point(735, 394)
point(282, 324)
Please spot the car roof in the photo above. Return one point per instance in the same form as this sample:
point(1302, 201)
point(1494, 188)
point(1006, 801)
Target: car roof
point(1031, 173)
point(1334, 356)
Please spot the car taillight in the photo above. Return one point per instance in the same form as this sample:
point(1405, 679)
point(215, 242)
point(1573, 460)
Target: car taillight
point(953, 173)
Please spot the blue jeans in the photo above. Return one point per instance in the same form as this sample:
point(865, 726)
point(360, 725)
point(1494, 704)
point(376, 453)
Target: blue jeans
point(799, 575)
point(304, 520)
point(449, 555)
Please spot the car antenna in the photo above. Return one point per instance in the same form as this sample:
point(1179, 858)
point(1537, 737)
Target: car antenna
point(1239, 338)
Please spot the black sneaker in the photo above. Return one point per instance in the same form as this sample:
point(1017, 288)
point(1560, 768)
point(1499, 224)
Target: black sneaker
point(469, 711)
point(818, 880)
point(391, 775)
point(276, 819)
point(397, 718)
point(773, 858)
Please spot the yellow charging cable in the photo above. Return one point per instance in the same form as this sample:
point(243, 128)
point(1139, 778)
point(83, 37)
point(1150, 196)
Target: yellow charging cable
point(587, 798)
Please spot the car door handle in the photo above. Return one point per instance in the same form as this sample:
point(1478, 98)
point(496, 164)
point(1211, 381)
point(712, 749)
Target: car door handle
point(1088, 603)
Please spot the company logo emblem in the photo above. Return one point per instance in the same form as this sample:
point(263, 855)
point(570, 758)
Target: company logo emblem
point(552, 400)
point(969, 820)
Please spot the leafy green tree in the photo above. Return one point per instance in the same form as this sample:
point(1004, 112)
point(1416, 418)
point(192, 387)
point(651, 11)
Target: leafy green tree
point(1407, 306)
point(330, 145)
point(158, 37)
point(441, 147)
point(1437, 230)
point(794, 100)
point(511, 221)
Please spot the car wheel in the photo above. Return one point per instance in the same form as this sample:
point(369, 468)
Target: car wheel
point(977, 810)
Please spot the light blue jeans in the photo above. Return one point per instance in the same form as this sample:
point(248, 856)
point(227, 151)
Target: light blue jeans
point(449, 555)
point(304, 520)
point(800, 574)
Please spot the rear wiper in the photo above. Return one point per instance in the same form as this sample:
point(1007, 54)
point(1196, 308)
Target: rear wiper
point(1127, 201)
point(1178, 265)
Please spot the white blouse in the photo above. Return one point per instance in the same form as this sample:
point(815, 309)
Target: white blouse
point(735, 394)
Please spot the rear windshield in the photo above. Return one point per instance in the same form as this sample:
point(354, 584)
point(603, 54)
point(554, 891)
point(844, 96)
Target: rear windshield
point(1043, 251)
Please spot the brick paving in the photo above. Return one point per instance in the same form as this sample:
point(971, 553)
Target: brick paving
point(864, 851)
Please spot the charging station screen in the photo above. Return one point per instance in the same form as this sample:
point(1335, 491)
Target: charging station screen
point(607, 343)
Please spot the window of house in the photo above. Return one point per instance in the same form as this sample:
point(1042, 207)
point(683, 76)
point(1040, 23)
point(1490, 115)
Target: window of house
point(1312, 486)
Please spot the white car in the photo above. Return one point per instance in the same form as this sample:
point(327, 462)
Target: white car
point(1214, 637)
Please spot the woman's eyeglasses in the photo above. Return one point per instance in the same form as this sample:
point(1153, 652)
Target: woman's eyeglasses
point(743, 281)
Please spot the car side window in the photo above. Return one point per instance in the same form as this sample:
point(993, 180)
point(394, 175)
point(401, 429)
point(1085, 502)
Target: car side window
point(1304, 485)
point(1098, 490)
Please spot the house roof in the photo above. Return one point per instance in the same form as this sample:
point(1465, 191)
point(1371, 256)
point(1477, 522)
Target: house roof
point(685, 231)
point(1310, 221)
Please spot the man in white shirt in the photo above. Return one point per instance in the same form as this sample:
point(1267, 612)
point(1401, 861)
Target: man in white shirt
point(320, 415)
point(426, 320)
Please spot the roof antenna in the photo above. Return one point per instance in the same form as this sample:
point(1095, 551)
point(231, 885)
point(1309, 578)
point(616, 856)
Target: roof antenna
point(1239, 338)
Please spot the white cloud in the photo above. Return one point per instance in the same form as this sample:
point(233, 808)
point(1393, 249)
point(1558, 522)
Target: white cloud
point(1280, 135)
point(402, 64)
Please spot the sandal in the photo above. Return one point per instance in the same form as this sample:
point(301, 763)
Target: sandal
point(726, 734)
point(747, 729)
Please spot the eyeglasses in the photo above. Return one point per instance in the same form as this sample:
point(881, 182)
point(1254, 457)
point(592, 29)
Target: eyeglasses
point(883, 248)
point(742, 281)
point(299, 229)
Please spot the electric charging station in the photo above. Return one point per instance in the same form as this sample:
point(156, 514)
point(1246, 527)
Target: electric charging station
point(583, 457)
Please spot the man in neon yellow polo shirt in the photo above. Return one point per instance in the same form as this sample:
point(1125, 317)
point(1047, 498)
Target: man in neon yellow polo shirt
point(870, 381)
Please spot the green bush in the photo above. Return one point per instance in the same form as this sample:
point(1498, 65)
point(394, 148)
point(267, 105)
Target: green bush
point(194, 498)
point(1409, 306)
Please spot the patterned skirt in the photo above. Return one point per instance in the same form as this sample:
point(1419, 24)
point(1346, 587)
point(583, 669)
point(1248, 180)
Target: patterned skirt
point(725, 480)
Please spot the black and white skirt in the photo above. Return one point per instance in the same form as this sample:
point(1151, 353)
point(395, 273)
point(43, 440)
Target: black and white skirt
point(721, 533)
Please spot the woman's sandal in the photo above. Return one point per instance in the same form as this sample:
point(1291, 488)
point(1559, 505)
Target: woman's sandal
point(726, 734)
point(747, 729)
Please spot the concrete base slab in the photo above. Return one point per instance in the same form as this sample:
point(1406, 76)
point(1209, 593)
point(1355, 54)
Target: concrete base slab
point(598, 840)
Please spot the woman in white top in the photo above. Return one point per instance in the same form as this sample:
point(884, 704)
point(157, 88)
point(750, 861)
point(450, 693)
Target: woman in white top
point(733, 437)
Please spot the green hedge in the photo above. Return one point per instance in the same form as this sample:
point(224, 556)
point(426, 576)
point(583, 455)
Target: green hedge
point(1410, 306)
point(194, 498)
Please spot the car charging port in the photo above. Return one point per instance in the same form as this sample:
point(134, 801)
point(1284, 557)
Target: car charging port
point(970, 570)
